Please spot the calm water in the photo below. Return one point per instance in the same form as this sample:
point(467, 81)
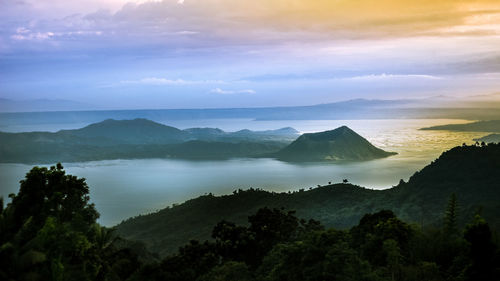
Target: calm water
point(125, 188)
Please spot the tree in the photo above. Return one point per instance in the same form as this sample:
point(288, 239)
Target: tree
point(271, 226)
point(450, 218)
point(482, 251)
point(192, 261)
point(322, 255)
point(51, 193)
point(374, 229)
point(49, 232)
point(233, 242)
point(367, 225)
point(229, 271)
point(393, 255)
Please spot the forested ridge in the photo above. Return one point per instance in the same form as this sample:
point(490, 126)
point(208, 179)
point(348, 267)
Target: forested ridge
point(471, 172)
point(48, 231)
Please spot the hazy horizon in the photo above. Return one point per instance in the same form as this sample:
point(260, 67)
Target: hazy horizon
point(129, 54)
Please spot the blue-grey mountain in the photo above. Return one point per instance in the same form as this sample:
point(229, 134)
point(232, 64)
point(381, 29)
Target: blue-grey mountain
point(479, 126)
point(138, 138)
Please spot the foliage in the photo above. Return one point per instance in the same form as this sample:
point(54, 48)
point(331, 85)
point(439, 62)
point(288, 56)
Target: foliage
point(380, 247)
point(49, 232)
point(470, 172)
point(450, 219)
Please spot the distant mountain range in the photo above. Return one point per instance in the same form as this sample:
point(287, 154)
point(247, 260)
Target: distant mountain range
point(471, 172)
point(345, 110)
point(479, 126)
point(335, 145)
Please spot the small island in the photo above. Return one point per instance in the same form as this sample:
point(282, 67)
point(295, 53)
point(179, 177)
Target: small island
point(341, 144)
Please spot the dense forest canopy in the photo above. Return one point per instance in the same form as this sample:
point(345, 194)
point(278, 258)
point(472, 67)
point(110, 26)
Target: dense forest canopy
point(471, 172)
point(48, 231)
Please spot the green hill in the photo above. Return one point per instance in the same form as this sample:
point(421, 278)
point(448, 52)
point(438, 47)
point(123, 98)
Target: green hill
point(136, 131)
point(136, 139)
point(470, 172)
point(48, 231)
point(339, 144)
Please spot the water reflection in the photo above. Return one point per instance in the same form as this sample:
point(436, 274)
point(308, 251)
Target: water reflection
point(124, 188)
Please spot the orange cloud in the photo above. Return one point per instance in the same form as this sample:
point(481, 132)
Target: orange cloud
point(377, 17)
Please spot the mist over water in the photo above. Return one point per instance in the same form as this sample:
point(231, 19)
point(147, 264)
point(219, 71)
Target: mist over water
point(125, 188)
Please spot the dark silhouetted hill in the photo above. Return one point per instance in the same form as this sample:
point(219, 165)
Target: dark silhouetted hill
point(470, 172)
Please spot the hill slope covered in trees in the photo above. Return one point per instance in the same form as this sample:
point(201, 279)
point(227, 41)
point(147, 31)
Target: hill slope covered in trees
point(470, 172)
point(49, 232)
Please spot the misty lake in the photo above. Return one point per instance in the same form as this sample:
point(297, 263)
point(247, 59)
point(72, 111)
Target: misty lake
point(125, 188)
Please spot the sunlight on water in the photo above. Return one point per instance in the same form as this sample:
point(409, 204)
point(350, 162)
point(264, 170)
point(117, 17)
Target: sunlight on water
point(124, 188)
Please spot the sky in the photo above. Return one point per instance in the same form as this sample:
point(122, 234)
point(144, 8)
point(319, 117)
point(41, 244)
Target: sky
point(118, 54)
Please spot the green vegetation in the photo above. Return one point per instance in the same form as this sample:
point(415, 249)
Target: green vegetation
point(144, 131)
point(470, 172)
point(479, 126)
point(142, 138)
point(136, 139)
point(49, 232)
point(339, 144)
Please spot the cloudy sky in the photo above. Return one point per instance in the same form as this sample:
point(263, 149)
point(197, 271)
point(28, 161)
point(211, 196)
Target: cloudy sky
point(239, 53)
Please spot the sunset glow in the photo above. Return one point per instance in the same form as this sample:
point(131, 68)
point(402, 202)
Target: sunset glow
point(230, 53)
